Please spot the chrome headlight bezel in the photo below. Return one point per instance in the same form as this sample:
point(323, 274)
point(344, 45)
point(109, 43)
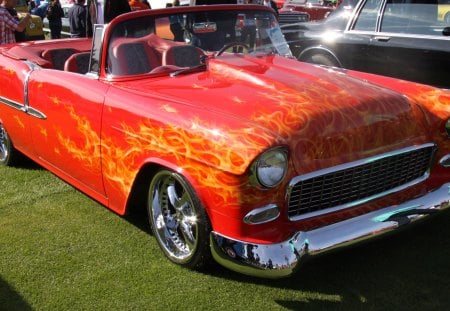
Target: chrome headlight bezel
point(270, 168)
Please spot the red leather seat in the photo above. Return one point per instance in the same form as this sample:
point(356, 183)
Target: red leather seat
point(182, 56)
point(130, 57)
point(58, 57)
point(78, 62)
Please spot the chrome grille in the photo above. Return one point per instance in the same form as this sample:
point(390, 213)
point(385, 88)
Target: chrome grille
point(357, 182)
point(292, 18)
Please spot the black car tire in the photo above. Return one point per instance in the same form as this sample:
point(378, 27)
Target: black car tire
point(321, 59)
point(178, 220)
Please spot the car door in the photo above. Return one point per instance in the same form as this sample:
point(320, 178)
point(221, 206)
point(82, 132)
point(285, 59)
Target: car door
point(411, 44)
point(355, 43)
point(68, 138)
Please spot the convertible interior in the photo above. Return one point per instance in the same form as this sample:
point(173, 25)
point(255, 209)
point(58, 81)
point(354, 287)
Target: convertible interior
point(126, 56)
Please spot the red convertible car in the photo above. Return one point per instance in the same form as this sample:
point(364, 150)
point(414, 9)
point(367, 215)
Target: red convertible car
point(239, 153)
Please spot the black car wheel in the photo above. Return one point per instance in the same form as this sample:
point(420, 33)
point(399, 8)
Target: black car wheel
point(179, 221)
point(321, 59)
point(9, 156)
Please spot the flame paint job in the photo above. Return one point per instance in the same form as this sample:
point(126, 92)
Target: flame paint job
point(98, 134)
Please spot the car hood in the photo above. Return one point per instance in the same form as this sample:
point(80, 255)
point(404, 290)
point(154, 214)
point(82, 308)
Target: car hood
point(324, 116)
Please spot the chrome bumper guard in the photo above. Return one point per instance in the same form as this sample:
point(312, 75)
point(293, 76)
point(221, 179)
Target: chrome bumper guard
point(283, 259)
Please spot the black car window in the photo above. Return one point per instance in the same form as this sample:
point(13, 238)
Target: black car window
point(367, 19)
point(411, 17)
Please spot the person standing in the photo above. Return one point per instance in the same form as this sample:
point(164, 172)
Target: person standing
point(40, 9)
point(77, 19)
point(8, 24)
point(20, 35)
point(271, 4)
point(176, 24)
point(103, 11)
point(55, 14)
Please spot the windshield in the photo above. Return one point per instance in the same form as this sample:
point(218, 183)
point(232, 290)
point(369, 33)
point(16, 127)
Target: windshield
point(184, 40)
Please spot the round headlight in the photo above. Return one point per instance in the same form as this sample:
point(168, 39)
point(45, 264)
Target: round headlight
point(270, 167)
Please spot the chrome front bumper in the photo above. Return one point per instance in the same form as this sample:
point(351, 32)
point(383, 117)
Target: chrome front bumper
point(283, 259)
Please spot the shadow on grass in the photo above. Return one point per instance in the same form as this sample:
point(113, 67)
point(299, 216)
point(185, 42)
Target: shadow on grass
point(409, 270)
point(138, 217)
point(26, 163)
point(10, 299)
point(406, 270)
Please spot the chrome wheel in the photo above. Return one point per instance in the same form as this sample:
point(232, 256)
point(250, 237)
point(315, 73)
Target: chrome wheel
point(5, 146)
point(178, 220)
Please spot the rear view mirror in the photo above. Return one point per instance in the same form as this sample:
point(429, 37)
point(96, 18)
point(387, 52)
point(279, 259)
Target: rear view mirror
point(206, 27)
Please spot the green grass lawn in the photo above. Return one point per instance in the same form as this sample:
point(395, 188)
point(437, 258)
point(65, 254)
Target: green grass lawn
point(59, 250)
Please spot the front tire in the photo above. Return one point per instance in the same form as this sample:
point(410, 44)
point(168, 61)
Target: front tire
point(321, 59)
point(179, 221)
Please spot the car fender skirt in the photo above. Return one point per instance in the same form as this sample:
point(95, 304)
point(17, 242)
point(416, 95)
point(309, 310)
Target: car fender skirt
point(283, 259)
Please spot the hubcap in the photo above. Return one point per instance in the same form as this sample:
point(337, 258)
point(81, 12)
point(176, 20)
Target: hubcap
point(173, 216)
point(3, 144)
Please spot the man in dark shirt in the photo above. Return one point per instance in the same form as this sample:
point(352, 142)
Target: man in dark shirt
point(77, 19)
point(103, 11)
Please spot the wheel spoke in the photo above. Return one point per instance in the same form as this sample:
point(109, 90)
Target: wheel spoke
point(187, 226)
point(179, 203)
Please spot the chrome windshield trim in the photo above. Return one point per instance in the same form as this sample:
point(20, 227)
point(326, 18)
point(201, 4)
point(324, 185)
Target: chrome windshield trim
point(345, 166)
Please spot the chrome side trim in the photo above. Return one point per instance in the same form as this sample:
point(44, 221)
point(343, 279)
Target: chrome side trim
point(25, 107)
point(283, 259)
point(12, 104)
point(354, 164)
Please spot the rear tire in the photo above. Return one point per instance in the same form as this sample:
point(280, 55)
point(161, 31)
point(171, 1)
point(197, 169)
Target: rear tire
point(179, 221)
point(321, 59)
point(9, 156)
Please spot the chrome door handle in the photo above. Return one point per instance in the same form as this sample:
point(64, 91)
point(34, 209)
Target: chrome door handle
point(382, 38)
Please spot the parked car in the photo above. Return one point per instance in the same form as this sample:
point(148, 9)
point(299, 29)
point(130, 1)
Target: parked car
point(444, 11)
point(253, 159)
point(280, 3)
point(399, 39)
point(316, 9)
point(34, 30)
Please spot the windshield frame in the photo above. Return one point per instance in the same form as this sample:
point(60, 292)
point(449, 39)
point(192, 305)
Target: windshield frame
point(147, 22)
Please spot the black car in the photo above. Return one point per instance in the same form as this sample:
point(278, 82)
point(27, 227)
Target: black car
point(397, 38)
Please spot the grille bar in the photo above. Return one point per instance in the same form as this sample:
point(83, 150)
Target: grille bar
point(357, 182)
point(292, 18)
